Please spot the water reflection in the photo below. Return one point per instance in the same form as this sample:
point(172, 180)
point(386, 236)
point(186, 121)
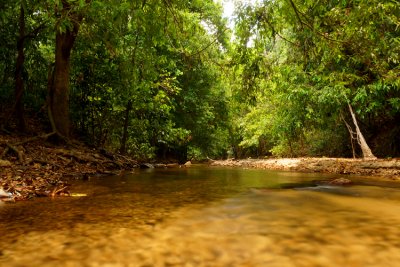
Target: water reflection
point(207, 217)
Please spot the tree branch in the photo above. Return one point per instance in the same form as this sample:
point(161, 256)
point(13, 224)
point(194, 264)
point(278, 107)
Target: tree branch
point(303, 23)
point(207, 46)
point(296, 11)
point(274, 31)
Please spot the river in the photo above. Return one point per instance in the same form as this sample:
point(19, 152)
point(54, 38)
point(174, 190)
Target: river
point(207, 216)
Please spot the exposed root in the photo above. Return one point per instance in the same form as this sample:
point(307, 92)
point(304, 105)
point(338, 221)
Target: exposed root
point(33, 168)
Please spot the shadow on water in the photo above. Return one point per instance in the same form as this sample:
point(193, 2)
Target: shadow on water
point(207, 217)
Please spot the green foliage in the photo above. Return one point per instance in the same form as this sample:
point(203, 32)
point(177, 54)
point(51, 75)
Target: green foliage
point(165, 78)
point(300, 63)
point(35, 68)
point(162, 69)
point(131, 76)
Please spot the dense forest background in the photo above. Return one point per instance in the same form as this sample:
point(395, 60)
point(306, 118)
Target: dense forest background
point(168, 79)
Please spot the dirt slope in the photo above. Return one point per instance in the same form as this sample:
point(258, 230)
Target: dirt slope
point(386, 168)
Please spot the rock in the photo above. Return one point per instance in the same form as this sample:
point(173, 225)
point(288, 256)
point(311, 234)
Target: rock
point(173, 165)
point(187, 164)
point(146, 166)
point(160, 165)
point(5, 163)
point(340, 181)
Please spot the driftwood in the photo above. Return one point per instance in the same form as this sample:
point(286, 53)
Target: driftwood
point(57, 191)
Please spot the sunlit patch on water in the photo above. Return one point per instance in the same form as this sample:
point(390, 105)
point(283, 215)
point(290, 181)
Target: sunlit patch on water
point(207, 218)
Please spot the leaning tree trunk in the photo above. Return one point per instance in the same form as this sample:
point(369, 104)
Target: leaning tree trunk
point(19, 82)
point(58, 99)
point(367, 153)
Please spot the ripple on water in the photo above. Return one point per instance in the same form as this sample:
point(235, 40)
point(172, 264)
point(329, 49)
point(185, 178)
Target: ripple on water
point(254, 228)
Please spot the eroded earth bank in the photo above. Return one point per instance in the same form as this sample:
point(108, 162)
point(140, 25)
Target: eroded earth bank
point(383, 168)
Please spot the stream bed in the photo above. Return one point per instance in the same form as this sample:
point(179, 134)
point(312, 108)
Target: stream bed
point(207, 216)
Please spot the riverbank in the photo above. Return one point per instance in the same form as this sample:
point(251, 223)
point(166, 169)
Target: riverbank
point(385, 168)
point(32, 166)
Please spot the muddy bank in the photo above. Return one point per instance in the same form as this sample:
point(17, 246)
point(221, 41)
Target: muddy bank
point(385, 168)
point(34, 167)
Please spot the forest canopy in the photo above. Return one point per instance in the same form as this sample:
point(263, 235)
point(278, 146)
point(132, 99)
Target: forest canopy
point(171, 79)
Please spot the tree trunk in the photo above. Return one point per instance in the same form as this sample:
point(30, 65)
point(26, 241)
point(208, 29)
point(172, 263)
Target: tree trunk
point(59, 89)
point(124, 138)
point(19, 82)
point(367, 153)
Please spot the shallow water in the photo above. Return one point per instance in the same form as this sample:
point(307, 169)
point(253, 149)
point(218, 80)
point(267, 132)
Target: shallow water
point(207, 217)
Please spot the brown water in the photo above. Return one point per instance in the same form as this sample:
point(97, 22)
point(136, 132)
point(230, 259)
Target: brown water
point(207, 217)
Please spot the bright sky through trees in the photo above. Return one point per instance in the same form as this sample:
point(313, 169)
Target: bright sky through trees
point(229, 8)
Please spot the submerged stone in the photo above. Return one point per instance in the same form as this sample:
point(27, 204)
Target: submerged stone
point(340, 181)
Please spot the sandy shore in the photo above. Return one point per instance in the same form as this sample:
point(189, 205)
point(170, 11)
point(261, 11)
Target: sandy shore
point(388, 168)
